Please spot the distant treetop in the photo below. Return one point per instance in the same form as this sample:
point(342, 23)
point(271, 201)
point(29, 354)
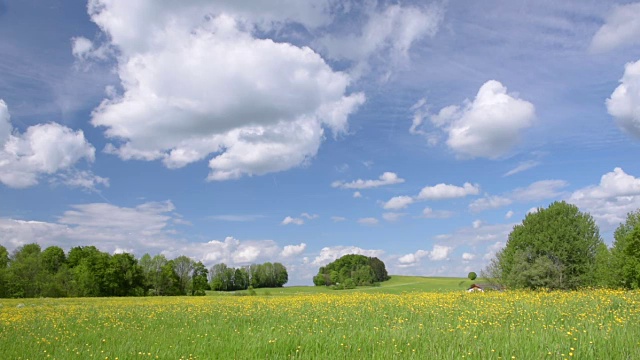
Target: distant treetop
point(352, 270)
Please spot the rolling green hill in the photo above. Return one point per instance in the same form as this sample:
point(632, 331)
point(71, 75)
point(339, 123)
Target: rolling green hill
point(396, 285)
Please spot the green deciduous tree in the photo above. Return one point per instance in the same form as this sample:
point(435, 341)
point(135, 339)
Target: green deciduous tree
point(183, 267)
point(24, 271)
point(556, 247)
point(625, 254)
point(53, 258)
point(359, 269)
point(199, 279)
point(124, 277)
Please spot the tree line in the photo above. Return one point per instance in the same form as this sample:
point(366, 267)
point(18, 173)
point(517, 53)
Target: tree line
point(86, 271)
point(350, 271)
point(225, 278)
point(559, 247)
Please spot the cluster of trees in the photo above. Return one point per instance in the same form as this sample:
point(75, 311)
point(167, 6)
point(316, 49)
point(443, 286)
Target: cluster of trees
point(86, 271)
point(352, 270)
point(560, 248)
point(225, 278)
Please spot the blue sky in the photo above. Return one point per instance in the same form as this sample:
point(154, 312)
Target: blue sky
point(299, 131)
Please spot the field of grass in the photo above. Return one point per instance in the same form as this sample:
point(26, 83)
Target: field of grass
point(363, 324)
point(396, 285)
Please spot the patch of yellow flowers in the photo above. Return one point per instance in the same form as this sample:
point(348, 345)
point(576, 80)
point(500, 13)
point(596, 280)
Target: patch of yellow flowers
point(494, 325)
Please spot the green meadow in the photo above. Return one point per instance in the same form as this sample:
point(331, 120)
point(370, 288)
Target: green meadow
point(407, 317)
point(396, 285)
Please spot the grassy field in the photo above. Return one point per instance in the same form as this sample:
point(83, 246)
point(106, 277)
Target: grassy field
point(361, 324)
point(396, 285)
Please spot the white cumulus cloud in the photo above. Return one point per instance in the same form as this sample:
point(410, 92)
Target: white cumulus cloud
point(468, 256)
point(196, 82)
point(398, 202)
point(622, 27)
point(291, 220)
point(448, 191)
point(291, 250)
point(624, 103)
point(329, 254)
point(438, 253)
point(489, 126)
point(42, 149)
point(617, 194)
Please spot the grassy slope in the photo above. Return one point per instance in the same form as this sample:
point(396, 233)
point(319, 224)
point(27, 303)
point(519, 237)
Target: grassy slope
point(396, 285)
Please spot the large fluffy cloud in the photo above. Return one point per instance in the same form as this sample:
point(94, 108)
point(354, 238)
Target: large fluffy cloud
point(622, 27)
point(617, 194)
point(196, 82)
point(624, 103)
point(489, 126)
point(41, 149)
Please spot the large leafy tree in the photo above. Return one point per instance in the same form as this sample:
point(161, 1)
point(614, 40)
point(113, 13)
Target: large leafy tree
point(89, 267)
point(626, 253)
point(124, 277)
point(556, 247)
point(183, 266)
point(24, 271)
point(357, 269)
point(199, 279)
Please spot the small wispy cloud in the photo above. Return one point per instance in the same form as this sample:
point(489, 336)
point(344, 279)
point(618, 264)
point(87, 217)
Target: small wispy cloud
point(523, 166)
point(387, 178)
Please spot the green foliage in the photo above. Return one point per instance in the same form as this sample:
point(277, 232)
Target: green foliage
point(183, 266)
point(24, 272)
point(199, 281)
point(625, 254)
point(124, 276)
point(357, 270)
point(267, 275)
point(88, 272)
point(556, 248)
point(472, 276)
point(52, 259)
point(4, 257)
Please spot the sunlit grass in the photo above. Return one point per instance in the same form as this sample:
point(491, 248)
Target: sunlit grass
point(396, 285)
point(601, 324)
